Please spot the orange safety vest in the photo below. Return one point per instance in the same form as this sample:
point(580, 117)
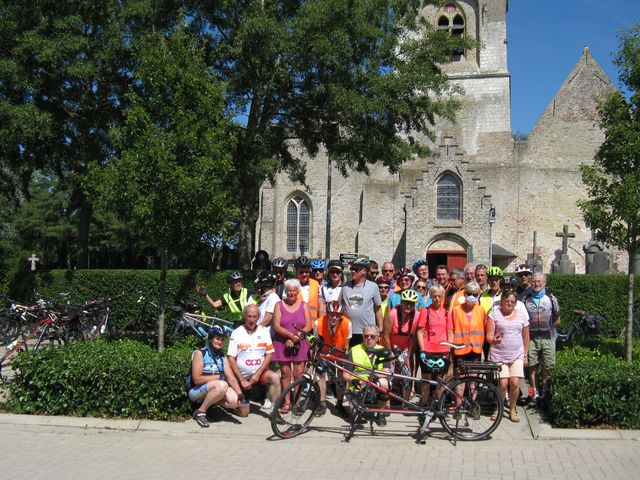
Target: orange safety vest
point(468, 332)
point(314, 300)
point(339, 338)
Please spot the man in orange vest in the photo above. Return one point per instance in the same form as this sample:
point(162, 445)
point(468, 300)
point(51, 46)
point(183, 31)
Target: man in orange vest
point(309, 287)
point(334, 329)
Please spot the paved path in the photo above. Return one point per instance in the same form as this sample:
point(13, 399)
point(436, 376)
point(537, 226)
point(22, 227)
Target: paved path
point(77, 448)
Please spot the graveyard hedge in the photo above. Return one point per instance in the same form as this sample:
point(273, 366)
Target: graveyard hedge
point(594, 387)
point(89, 284)
point(602, 294)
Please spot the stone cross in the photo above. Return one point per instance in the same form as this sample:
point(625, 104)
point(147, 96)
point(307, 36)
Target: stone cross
point(565, 236)
point(33, 259)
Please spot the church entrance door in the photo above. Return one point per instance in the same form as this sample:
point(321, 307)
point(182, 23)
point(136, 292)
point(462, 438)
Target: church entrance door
point(452, 259)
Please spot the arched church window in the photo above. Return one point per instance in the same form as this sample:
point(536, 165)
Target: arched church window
point(298, 221)
point(451, 19)
point(448, 194)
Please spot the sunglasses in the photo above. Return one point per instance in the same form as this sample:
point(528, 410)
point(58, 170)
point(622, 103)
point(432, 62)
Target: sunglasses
point(369, 336)
point(387, 271)
point(420, 287)
point(383, 287)
point(481, 267)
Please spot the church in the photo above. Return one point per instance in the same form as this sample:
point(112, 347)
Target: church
point(485, 197)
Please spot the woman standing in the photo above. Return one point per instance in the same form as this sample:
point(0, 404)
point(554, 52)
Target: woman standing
point(508, 334)
point(400, 324)
point(290, 316)
point(435, 326)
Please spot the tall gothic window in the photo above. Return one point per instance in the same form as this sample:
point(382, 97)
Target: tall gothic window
point(298, 220)
point(448, 198)
point(451, 19)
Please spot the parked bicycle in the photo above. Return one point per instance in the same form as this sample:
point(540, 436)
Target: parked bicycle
point(468, 407)
point(185, 321)
point(584, 325)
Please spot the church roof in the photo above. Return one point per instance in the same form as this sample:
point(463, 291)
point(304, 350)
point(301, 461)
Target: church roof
point(575, 101)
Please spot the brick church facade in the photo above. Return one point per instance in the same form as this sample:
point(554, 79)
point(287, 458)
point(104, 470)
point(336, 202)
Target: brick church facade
point(483, 194)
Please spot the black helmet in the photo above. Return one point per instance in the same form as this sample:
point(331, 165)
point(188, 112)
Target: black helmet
point(508, 282)
point(266, 278)
point(302, 262)
point(279, 263)
point(233, 276)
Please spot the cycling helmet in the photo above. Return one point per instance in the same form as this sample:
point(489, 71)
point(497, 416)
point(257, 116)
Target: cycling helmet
point(523, 269)
point(360, 262)
point(335, 307)
point(266, 278)
point(279, 263)
point(508, 282)
point(216, 330)
point(302, 262)
point(335, 264)
point(409, 296)
point(318, 265)
point(494, 272)
point(233, 276)
point(403, 272)
point(418, 263)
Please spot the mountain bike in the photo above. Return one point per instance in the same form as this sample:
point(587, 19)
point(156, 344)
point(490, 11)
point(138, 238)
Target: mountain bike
point(468, 408)
point(186, 322)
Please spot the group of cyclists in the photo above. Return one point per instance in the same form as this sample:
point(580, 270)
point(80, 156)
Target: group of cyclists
point(496, 317)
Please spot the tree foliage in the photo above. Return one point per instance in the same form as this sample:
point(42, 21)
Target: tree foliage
point(360, 79)
point(171, 175)
point(613, 181)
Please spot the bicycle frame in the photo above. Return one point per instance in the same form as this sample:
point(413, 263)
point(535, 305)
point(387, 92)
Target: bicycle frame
point(461, 416)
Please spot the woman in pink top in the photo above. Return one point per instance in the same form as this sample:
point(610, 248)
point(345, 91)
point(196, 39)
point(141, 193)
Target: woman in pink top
point(508, 334)
point(434, 326)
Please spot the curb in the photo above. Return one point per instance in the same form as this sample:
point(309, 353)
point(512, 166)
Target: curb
point(543, 431)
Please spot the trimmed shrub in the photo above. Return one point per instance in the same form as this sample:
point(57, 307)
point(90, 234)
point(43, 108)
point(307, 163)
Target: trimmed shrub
point(593, 388)
point(89, 284)
point(604, 295)
point(123, 378)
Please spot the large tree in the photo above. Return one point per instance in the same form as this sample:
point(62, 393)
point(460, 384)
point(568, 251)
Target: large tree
point(172, 173)
point(356, 78)
point(64, 68)
point(613, 181)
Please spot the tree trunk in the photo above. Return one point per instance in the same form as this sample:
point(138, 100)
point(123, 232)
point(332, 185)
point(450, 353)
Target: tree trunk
point(629, 340)
point(164, 265)
point(82, 255)
point(250, 205)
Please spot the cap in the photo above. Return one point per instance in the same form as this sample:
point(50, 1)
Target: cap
point(335, 265)
point(360, 262)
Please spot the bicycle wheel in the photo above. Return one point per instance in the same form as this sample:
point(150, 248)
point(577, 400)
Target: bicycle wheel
point(304, 398)
point(470, 408)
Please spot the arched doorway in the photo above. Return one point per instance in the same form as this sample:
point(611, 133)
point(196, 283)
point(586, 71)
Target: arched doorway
point(447, 249)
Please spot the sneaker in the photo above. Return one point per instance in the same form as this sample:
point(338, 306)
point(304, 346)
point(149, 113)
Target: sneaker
point(322, 409)
point(267, 405)
point(340, 410)
point(381, 420)
point(201, 418)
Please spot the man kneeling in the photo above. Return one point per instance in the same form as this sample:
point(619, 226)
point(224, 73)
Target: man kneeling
point(249, 355)
point(361, 356)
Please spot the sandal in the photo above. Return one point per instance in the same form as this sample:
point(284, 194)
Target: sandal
point(494, 415)
point(285, 409)
point(513, 416)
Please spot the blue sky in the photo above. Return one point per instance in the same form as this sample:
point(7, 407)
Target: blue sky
point(546, 39)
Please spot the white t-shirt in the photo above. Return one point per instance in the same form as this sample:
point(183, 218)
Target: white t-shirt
point(250, 349)
point(330, 294)
point(267, 306)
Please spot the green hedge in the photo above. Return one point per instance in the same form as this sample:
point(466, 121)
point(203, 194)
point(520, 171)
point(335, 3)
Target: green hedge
point(88, 284)
point(102, 379)
point(605, 295)
point(595, 388)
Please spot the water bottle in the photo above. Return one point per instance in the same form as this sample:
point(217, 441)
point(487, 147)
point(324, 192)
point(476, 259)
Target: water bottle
point(103, 328)
point(12, 345)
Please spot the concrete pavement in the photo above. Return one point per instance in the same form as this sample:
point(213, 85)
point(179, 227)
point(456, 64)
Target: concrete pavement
point(36, 447)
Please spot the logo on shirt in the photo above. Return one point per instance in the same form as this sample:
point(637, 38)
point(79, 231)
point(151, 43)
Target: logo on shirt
point(253, 362)
point(356, 301)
